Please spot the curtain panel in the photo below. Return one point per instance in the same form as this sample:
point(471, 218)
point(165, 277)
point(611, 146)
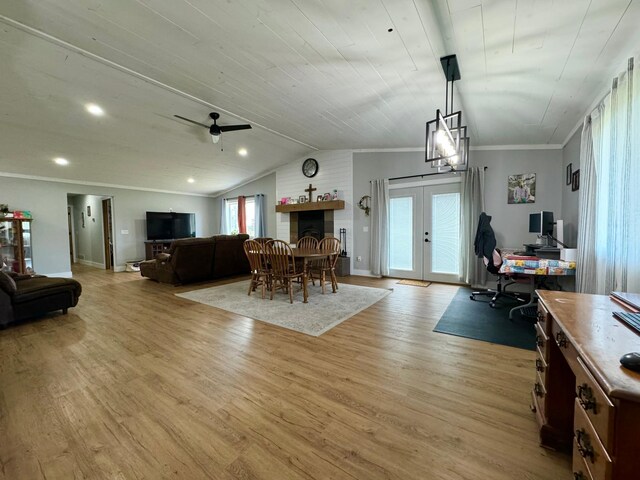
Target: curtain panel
point(608, 246)
point(261, 215)
point(242, 215)
point(379, 259)
point(473, 271)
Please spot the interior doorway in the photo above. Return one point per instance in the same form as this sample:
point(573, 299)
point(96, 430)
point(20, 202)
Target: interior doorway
point(424, 226)
point(72, 239)
point(107, 235)
point(91, 223)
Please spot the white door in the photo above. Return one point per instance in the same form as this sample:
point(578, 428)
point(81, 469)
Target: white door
point(424, 233)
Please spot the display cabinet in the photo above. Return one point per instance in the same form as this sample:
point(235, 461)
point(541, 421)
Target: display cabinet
point(15, 245)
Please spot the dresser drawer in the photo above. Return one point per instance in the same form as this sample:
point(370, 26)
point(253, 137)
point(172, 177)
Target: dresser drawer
point(542, 342)
point(541, 368)
point(566, 347)
point(539, 394)
point(579, 468)
point(544, 318)
point(588, 446)
point(595, 404)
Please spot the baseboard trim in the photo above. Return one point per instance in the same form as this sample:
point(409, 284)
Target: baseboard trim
point(119, 268)
point(92, 264)
point(363, 273)
point(61, 274)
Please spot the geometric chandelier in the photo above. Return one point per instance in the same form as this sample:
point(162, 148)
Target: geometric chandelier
point(447, 142)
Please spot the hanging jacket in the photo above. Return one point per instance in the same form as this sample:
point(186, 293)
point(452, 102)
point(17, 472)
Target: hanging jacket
point(485, 243)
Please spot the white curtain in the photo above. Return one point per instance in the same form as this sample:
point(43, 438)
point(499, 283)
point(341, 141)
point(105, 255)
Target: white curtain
point(224, 227)
point(472, 203)
point(261, 215)
point(379, 260)
point(609, 227)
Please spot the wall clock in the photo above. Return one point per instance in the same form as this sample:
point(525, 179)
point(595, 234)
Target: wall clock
point(310, 167)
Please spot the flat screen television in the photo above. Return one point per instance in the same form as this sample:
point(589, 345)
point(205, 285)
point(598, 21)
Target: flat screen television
point(170, 225)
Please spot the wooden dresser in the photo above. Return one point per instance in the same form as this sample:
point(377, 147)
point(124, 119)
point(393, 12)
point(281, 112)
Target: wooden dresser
point(584, 401)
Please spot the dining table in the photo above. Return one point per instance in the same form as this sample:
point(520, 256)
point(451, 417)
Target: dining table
point(307, 254)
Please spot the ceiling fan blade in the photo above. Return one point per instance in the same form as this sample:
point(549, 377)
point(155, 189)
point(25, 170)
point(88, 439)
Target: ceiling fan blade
point(231, 128)
point(192, 121)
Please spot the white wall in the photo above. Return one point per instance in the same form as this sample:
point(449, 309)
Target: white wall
point(571, 155)
point(48, 203)
point(511, 222)
point(335, 171)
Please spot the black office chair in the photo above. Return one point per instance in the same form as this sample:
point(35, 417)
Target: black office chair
point(485, 248)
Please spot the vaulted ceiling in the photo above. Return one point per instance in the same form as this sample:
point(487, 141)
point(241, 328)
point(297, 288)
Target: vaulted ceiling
point(307, 74)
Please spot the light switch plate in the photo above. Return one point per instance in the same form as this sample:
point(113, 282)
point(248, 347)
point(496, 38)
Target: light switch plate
point(124, 232)
point(365, 229)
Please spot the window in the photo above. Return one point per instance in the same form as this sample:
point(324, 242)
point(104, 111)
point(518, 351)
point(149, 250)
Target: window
point(231, 212)
point(401, 233)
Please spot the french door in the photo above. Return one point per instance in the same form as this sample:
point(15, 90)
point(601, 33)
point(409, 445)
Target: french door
point(424, 233)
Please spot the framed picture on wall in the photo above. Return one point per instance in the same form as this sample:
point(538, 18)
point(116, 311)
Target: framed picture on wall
point(521, 188)
point(575, 181)
point(569, 174)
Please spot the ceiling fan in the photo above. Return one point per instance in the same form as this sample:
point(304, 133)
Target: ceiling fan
point(215, 130)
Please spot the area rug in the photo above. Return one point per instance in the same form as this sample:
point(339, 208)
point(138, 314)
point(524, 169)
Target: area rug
point(476, 319)
point(322, 313)
point(414, 283)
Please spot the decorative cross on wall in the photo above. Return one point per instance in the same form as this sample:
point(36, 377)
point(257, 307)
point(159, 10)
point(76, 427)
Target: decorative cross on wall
point(310, 190)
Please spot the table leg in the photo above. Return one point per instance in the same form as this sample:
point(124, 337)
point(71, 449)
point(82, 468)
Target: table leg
point(304, 280)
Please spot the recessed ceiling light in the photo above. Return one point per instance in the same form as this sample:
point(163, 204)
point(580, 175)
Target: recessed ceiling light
point(243, 152)
point(190, 180)
point(94, 109)
point(61, 161)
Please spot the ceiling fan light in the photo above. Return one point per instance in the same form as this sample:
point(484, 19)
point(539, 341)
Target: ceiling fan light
point(215, 138)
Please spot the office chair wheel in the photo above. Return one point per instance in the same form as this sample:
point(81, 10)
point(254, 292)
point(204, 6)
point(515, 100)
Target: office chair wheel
point(492, 304)
point(472, 297)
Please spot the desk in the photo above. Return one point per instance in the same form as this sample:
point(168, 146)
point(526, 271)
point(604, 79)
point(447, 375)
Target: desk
point(534, 267)
point(583, 399)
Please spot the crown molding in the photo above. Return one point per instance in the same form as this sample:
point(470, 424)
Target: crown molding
point(98, 184)
point(546, 146)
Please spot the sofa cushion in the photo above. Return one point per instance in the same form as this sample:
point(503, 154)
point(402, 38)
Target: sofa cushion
point(38, 287)
point(7, 284)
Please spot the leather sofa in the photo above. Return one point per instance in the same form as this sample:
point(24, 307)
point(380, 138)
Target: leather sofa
point(26, 296)
point(198, 259)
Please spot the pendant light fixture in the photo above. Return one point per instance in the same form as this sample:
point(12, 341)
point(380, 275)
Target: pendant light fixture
point(447, 142)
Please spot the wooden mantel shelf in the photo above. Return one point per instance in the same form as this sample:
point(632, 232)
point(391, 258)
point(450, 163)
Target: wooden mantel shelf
point(305, 207)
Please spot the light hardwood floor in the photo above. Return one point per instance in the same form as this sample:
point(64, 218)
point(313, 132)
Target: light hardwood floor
point(137, 383)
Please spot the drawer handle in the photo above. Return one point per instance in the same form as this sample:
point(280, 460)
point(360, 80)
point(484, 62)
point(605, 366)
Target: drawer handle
point(539, 341)
point(537, 389)
point(586, 398)
point(579, 476)
point(541, 317)
point(584, 445)
point(539, 366)
point(561, 339)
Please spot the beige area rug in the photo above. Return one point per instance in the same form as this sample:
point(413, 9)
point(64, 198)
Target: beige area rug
point(322, 313)
point(414, 283)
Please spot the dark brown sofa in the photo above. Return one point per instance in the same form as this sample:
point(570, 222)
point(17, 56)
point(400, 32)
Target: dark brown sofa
point(197, 259)
point(26, 296)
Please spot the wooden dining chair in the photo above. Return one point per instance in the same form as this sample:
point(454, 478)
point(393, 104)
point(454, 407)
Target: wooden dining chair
point(283, 268)
point(260, 273)
point(307, 243)
point(330, 246)
point(262, 240)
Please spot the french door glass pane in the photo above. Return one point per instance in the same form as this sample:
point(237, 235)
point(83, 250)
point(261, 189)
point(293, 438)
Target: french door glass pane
point(445, 247)
point(401, 233)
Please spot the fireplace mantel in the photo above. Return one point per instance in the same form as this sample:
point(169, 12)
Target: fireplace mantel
point(307, 206)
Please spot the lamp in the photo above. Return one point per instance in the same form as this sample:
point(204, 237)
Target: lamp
point(447, 142)
point(215, 138)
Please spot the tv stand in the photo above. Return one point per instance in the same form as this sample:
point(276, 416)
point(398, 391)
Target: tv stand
point(154, 247)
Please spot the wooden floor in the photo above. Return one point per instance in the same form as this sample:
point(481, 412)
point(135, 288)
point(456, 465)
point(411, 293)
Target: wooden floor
point(137, 383)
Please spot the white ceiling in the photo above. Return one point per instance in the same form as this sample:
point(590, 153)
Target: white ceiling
point(321, 74)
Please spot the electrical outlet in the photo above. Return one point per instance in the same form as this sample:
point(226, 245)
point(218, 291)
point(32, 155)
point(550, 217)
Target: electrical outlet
point(358, 259)
point(365, 229)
